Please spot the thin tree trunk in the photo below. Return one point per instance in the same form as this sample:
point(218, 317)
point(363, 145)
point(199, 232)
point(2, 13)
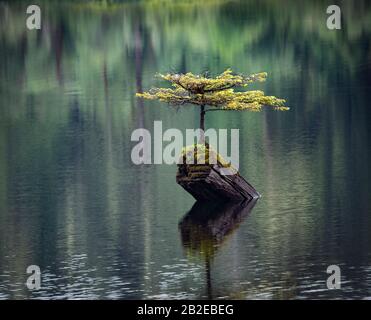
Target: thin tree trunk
point(202, 125)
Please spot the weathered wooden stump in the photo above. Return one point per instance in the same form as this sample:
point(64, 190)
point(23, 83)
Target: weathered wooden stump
point(205, 182)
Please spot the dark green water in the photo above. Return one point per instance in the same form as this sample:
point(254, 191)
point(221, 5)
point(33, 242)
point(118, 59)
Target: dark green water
point(72, 202)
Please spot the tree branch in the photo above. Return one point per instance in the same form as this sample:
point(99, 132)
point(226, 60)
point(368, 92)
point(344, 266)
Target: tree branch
point(220, 88)
point(179, 84)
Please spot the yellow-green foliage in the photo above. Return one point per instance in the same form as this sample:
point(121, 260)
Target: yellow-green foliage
point(215, 92)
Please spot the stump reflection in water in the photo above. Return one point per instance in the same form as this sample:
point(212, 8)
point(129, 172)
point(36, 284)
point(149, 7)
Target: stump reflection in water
point(207, 225)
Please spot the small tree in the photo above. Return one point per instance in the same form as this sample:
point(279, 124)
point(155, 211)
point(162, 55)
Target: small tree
point(214, 94)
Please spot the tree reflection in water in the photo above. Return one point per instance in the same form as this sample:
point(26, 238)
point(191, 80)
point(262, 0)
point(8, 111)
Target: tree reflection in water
point(207, 225)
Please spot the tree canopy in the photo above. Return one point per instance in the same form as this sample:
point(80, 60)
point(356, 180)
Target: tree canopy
point(216, 92)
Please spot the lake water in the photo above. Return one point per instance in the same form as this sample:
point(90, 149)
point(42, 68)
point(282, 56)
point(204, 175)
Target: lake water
point(73, 203)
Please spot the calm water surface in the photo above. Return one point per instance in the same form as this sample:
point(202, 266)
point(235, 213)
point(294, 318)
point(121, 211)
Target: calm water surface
point(72, 202)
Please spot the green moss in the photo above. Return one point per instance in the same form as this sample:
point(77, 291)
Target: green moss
point(201, 155)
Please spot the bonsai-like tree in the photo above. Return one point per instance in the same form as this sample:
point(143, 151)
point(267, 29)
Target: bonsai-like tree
point(214, 94)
